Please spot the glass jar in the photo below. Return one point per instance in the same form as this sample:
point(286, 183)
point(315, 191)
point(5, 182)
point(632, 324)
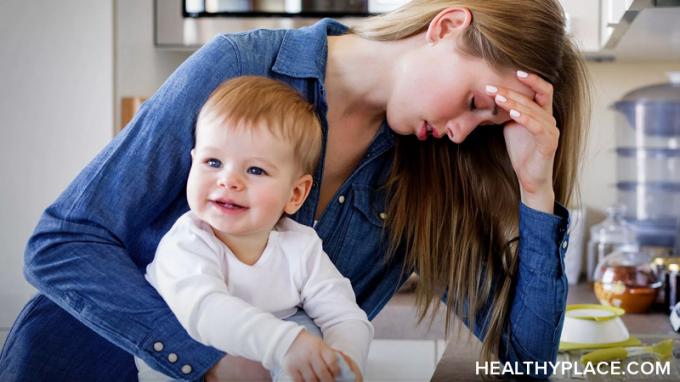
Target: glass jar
point(626, 279)
point(607, 236)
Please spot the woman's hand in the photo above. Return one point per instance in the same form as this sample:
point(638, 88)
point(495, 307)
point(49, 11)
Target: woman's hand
point(231, 368)
point(531, 138)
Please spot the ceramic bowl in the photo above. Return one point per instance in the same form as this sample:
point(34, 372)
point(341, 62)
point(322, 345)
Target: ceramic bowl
point(592, 324)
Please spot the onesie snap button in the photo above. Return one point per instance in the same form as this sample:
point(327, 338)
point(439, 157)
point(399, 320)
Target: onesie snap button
point(158, 346)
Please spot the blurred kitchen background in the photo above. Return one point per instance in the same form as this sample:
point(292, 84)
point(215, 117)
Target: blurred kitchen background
point(67, 68)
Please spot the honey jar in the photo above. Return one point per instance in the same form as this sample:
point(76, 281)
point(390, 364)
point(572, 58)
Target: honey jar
point(627, 280)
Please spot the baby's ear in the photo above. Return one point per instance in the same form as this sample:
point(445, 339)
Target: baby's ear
point(298, 194)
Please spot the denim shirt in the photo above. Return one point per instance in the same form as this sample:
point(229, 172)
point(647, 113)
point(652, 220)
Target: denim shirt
point(90, 248)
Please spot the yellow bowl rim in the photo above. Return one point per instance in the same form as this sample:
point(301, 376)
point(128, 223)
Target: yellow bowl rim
point(618, 312)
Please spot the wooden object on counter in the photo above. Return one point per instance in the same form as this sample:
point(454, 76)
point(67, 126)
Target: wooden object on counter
point(458, 361)
point(128, 108)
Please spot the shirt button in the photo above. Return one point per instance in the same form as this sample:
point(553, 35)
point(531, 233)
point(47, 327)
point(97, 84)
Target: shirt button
point(383, 216)
point(341, 199)
point(564, 244)
point(158, 346)
point(172, 357)
point(186, 369)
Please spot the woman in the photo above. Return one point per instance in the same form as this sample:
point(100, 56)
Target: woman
point(473, 213)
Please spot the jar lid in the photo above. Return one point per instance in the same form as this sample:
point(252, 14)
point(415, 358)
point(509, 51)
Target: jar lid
point(627, 268)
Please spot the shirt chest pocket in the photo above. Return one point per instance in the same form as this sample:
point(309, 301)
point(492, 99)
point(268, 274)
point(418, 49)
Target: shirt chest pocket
point(364, 229)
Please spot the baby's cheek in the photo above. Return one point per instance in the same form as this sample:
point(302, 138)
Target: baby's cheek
point(271, 202)
point(197, 192)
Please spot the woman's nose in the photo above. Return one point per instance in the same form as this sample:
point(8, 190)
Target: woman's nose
point(450, 130)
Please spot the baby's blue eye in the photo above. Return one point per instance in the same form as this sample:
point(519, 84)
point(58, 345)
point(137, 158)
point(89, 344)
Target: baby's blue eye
point(212, 162)
point(255, 171)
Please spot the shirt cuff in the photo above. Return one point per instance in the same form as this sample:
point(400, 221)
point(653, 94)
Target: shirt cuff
point(543, 239)
point(171, 349)
point(352, 337)
point(281, 347)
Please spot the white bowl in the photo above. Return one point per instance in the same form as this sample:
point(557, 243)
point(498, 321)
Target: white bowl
point(592, 324)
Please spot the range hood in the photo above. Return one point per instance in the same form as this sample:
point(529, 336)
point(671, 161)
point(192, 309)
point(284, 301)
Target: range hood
point(174, 31)
point(648, 30)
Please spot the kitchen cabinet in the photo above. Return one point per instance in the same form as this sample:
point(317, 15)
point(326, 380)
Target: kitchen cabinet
point(379, 6)
point(640, 29)
point(603, 29)
point(612, 12)
point(583, 22)
point(629, 30)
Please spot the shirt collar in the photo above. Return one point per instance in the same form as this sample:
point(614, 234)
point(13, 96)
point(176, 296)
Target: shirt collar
point(304, 51)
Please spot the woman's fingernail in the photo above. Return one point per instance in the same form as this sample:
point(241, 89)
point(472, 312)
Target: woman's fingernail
point(514, 113)
point(500, 98)
point(491, 89)
point(522, 74)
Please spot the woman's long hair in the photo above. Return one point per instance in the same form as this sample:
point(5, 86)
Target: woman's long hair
point(455, 206)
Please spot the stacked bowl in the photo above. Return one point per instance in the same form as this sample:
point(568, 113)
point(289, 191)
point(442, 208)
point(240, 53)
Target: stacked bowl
point(648, 161)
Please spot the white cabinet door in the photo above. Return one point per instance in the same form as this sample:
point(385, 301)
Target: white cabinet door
point(612, 12)
point(583, 22)
point(380, 6)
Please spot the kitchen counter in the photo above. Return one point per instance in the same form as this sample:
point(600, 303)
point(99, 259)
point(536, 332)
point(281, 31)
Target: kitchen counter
point(458, 362)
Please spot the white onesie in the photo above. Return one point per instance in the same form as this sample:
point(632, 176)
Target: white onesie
point(239, 308)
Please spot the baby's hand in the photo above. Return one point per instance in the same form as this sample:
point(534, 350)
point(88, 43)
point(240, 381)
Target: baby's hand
point(353, 366)
point(309, 359)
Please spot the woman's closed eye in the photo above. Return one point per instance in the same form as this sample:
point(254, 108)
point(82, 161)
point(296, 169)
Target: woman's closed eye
point(214, 163)
point(253, 170)
point(472, 104)
point(483, 105)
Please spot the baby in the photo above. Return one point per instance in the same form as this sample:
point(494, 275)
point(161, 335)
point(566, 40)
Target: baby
point(241, 276)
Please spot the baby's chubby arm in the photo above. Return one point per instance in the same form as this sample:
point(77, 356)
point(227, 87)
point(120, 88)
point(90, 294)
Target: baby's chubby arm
point(188, 272)
point(328, 298)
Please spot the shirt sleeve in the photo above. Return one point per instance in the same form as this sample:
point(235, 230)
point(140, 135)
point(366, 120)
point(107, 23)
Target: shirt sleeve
point(539, 298)
point(188, 272)
point(328, 298)
point(78, 256)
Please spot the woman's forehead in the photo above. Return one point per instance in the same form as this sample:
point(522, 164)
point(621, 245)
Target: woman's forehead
point(505, 77)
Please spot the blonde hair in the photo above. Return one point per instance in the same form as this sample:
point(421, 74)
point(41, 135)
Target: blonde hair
point(462, 234)
point(252, 101)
